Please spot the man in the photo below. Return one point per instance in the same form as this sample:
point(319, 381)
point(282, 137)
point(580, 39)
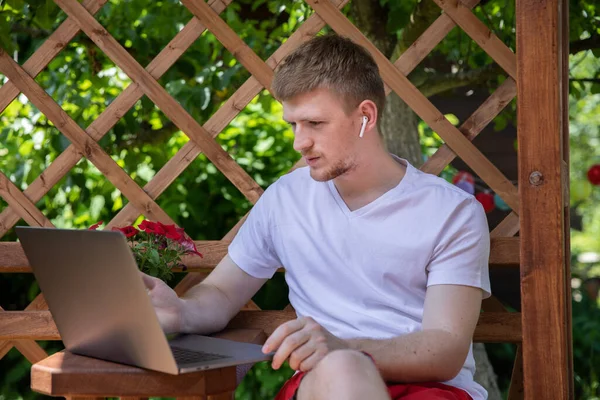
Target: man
point(386, 265)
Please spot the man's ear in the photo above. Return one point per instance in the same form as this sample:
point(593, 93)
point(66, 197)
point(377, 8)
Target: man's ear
point(368, 109)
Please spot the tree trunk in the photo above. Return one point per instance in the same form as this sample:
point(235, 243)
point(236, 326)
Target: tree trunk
point(399, 128)
point(485, 375)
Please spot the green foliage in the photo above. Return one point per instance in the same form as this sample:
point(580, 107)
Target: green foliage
point(583, 19)
point(586, 347)
point(431, 141)
point(159, 248)
point(399, 13)
point(586, 351)
point(584, 116)
point(262, 382)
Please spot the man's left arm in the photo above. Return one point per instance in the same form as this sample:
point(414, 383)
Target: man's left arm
point(436, 353)
point(439, 350)
point(457, 281)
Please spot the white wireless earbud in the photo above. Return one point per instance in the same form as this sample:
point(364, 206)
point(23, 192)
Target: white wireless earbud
point(365, 119)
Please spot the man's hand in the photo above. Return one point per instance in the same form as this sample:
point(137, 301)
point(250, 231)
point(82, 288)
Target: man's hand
point(303, 341)
point(167, 304)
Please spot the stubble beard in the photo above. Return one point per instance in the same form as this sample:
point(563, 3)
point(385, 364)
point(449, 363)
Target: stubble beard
point(340, 168)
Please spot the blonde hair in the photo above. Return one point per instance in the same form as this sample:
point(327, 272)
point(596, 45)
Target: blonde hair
point(333, 62)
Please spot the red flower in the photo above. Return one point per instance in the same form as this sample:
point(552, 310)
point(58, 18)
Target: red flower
point(128, 231)
point(171, 231)
point(593, 174)
point(152, 227)
point(95, 226)
point(147, 226)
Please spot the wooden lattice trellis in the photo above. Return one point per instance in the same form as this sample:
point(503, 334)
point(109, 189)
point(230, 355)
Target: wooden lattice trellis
point(20, 329)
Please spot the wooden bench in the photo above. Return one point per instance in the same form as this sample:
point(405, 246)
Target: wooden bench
point(66, 375)
point(72, 376)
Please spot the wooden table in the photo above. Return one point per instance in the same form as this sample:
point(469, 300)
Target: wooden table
point(73, 376)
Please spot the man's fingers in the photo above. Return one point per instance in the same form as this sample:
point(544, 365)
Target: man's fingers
point(149, 281)
point(279, 335)
point(290, 344)
point(311, 361)
point(300, 354)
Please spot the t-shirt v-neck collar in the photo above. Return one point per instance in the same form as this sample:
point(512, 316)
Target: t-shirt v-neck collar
point(379, 200)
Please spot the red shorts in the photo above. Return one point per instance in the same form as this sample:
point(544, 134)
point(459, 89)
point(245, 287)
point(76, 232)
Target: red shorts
point(408, 391)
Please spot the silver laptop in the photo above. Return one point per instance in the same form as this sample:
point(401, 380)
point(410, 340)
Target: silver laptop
point(99, 303)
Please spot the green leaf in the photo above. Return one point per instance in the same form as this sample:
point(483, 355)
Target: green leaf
point(140, 247)
point(5, 36)
point(97, 206)
point(153, 256)
point(186, 68)
point(26, 148)
point(35, 4)
point(46, 14)
point(500, 122)
point(398, 15)
point(16, 4)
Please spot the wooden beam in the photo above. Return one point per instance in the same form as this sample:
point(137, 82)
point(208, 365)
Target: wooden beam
point(22, 205)
point(515, 390)
point(424, 44)
point(109, 117)
point(544, 265)
point(13, 259)
point(231, 41)
point(481, 34)
point(172, 109)
point(492, 304)
point(492, 326)
point(498, 327)
point(566, 176)
point(84, 143)
point(44, 54)
point(508, 227)
point(29, 348)
point(504, 253)
point(17, 325)
point(474, 125)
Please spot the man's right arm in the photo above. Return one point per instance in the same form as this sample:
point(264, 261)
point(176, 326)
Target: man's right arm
point(216, 300)
point(207, 307)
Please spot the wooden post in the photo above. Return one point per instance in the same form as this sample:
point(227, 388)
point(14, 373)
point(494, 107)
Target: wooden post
point(543, 184)
point(566, 205)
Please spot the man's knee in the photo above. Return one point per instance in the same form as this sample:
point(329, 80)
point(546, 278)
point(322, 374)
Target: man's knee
point(340, 368)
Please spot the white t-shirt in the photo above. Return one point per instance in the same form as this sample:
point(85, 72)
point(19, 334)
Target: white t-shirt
point(364, 273)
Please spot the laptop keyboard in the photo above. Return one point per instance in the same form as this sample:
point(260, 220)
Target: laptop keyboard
point(187, 356)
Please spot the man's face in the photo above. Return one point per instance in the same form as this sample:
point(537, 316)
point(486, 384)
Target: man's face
point(323, 133)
